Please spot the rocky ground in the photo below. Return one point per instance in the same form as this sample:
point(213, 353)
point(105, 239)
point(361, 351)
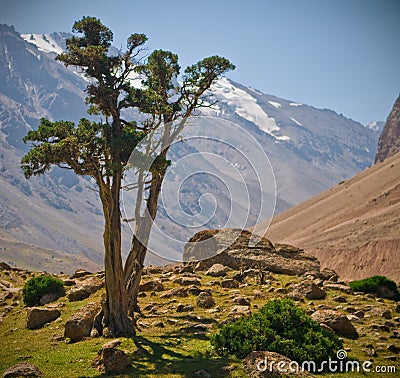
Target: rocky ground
point(181, 306)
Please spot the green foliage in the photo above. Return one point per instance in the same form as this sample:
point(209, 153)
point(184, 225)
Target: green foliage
point(373, 285)
point(36, 287)
point(279, 326)
point(102, 149)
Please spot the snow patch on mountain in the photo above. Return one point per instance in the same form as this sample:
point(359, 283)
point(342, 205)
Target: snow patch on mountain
point(246, 106)
point(375, 126)
point(44, 42)
point(275, 104)
point(295, 121)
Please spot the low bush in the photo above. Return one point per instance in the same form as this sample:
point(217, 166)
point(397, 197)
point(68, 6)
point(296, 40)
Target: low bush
point(376, 285)
point(280, 326)
point(36, 287)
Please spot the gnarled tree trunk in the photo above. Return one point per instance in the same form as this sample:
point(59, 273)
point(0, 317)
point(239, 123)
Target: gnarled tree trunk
point(116, 320)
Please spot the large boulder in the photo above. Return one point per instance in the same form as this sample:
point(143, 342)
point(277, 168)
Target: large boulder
point(80, 324)
point(337, 321)
point(240, 249)
point(260, 364)
point(111, 360)
point(23, 369)
point(37, 317)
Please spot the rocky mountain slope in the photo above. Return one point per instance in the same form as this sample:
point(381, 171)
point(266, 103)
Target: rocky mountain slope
point(353, 227)
point(389, 141)
point(309, 149)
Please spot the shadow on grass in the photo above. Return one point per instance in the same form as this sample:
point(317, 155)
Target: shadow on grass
point(161, 358)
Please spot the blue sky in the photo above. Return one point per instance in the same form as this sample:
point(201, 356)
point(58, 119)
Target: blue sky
point(337, 54)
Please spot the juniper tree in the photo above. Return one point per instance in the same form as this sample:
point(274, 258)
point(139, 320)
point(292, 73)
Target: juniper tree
point(101, 149)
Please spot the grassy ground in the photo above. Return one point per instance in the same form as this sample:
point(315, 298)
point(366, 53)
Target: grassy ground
point(170, 343)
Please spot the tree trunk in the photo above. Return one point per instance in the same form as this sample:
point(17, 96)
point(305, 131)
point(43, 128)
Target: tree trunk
point(135, 262)
point(116, 321)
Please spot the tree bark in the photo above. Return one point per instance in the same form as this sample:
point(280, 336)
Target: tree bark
point(135, 262)
point(116, 321)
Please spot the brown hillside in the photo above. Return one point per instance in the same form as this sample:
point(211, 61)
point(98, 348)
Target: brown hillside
point(353, 228)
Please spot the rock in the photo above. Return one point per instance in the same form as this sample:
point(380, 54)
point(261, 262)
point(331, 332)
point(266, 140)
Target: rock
point(353, 318)
point(47, 298)
point(239, 310)
point(205, 300)
point(85, 289)
point(340, 299)
point(242, 301)
point(217, 270)
point(154, 285)
point(78, 294)
point(239, 249)
point(175, 292)
point(23, 369)
point(194, 290)
point(397, 307)
point(187, 281)
point(69, 282)
point(230, 283)
point(393, 348)
point(111, 360)
point(307, 289)
point(4, 266)
point(81, 323)
point(337, 321)
point(202, 374)
point(360, 314)
point(327, 274)
point(258, 294)
point(340, 287)
point(386, 314)
point(80, 273)
point(389, 140)
point(260, 364)
point(184, 308)
point(37, 317)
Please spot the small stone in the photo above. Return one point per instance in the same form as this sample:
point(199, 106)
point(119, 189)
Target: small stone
point(387, 314)
point(80, 273)
point(242, 301)
point(230, 283)
point(217, 270)
point(111, 360)
point(155, 285)
point(205, 300)
point(23, 369)
point(340, 299)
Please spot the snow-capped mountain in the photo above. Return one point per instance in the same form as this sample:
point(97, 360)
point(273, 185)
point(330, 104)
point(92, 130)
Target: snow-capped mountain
point(310, 149)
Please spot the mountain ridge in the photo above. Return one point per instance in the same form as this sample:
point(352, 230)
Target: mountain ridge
point(310, 149)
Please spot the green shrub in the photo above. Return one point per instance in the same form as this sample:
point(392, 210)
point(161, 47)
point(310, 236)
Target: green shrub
point(280, 326)
point(36, 287)
point(374, 285)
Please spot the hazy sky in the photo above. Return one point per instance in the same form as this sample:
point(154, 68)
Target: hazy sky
point(337, 54)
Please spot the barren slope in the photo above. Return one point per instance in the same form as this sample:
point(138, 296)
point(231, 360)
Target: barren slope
point(353, 228)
